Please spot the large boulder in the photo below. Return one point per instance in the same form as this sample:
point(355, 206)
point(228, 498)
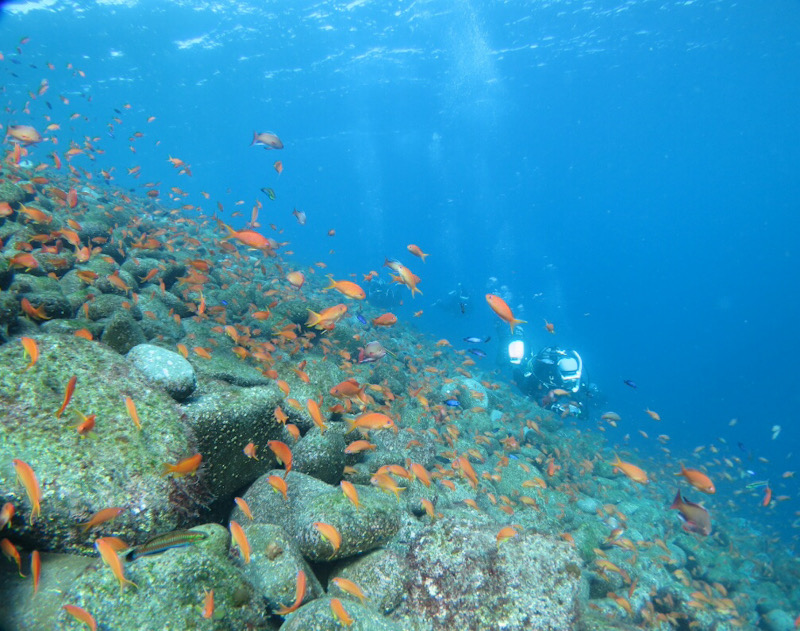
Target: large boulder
point(117, 465)
point(164, 368)
point(311, 500)
point(458, 577)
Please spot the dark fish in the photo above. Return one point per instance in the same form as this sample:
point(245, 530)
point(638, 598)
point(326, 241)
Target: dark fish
point(477, 352)
point(49, 107)
point(453, 403)
point(160, 543)
point(477, 340)
point(361, 318)
point(630, 382)
point(269, 193)
point(463, 307)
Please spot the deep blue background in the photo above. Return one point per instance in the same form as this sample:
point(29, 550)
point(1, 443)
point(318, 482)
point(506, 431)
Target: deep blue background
point(628, 171)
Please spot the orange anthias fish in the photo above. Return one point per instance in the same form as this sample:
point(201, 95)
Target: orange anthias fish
point(327, 318)
point(110, 558)
point(282, 453)
point(208, 603)
point(346, 287)
point(241, 540)
point(244, 507)
point(506, 533)
point(695, 518)
point(28, 478)
point(187, 466)
point(500, 307)
point(349, 587)
point(340, 613)
point(300, 593)
point(36, 569)
point(329, 534)
point(81, 615)
point(6, 513)
point(25, 134)
point(279, 486)
point(11, 552)
point(416, 251)
point(250, 450)
point(251, 239)
point(632, 471)
point(296, 279)
point(130, 406)
point(67, 395)
point(101, 517)
point(316, 415)
point(385, 319)
point(407, 278)
point(350, 492)
point(369, 421)
point(698, 480)
point(31, 350)
point(386, 483)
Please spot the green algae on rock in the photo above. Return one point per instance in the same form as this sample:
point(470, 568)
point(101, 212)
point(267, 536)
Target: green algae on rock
point(317, 616)
point(169, 591)
point(460, 578)
point(274, 564)
point(117, 465)
point(311, 500)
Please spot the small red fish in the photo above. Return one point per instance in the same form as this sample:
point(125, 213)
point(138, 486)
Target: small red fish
point(31, 350)
point(36, 569)
point(282, 453)
point(12, 554)
point(187, 466)
point(81, 615)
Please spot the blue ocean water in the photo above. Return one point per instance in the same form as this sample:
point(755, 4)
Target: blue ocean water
point(624, 170)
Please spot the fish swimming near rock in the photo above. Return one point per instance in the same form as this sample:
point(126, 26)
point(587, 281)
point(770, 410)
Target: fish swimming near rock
point(695, 518)
point(160, 543)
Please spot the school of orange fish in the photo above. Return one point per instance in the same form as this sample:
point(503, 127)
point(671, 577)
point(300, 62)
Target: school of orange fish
point(64, 173)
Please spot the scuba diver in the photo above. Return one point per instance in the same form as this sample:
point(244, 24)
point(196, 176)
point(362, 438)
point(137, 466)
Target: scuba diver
point(555, 375)
point(383, 294)
point(456, 301)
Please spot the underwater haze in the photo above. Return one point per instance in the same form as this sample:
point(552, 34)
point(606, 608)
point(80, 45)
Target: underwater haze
point(625, 171)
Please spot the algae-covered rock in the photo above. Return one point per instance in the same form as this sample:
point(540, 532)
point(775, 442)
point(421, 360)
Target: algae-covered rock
point(117, 465)
point(225, 366)
point(164, 368)
point(106, 305)
point(318, 616)
point(274, 564)
point(12, 194)
point(122, 333)
point(51, 303)
point(20, 609)
point(460, 578)
point(170, 589)
point(311, 500)
point(225, 419)
point(381, 575)
point(321, 455)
